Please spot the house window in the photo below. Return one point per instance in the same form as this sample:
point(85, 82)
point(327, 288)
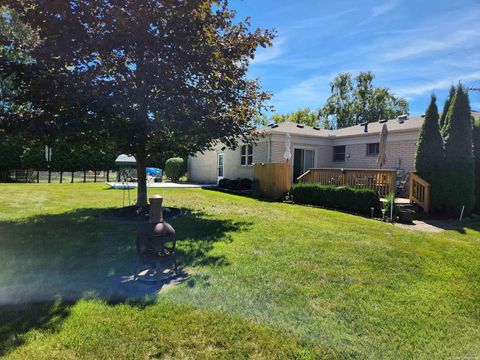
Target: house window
point(247, 155)
point(339, 153)
point(373, 149)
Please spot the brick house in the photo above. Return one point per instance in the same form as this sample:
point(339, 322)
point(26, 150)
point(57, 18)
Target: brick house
point(351, 147)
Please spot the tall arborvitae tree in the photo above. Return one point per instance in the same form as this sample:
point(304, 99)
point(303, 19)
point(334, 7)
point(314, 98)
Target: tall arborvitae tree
point(476, 150)
point(459, 161)
point(429, 157)
point(446, 106)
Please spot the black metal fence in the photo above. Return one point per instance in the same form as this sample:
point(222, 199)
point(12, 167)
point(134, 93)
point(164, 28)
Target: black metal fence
point(33, 176)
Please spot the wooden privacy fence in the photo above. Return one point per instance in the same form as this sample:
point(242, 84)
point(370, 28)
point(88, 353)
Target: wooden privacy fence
point(378, 179)
point(419, 192)
point(272, 180)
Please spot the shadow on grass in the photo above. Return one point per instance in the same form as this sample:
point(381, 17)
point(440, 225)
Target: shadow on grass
point(76, 255)
point(246, 194)
point(16, 320)
point(453, 224)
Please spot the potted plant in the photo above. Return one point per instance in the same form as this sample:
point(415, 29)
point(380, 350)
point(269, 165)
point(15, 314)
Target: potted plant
point(405, 216)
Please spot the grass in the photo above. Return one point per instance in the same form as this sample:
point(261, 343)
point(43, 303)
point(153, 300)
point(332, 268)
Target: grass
point(267, 280)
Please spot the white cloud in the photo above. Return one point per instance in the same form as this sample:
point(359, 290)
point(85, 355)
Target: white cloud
point(412, 58)
point(383, 8)
point(423, 88)
point(266, 55)
point(426, 45)
point(315, 21)
point(311, 93)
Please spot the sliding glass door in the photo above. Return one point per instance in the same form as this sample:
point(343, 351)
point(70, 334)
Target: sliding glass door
point(303, 160)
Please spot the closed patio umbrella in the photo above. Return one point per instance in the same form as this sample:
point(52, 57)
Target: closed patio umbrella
point(382, 153)
point(287, 155)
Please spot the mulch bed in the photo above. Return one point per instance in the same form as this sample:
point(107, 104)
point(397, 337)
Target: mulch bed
point(231, 191)
point(134, 213)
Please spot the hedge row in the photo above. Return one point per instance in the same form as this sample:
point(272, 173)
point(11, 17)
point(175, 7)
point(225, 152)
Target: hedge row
point(239, 184)
point(340, 198)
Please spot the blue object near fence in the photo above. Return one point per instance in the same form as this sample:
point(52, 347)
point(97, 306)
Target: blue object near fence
point(154, 172)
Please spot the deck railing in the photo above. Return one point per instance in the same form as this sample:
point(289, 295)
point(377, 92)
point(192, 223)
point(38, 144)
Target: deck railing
point(419, 192)
point(378, 179)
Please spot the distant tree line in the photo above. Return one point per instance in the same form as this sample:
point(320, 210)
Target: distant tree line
point(448, 155)
point(352, 101)
point(20, 154)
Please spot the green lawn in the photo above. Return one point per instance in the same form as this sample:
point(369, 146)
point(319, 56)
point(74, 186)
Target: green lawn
point(267, 280)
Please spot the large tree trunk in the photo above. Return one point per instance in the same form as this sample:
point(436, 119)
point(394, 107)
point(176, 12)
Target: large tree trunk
point(61, 177)
point(108, 175)
point(73, 174)
point(95, 176)
point(49, 175)
point(141, 178)
point(84, 176)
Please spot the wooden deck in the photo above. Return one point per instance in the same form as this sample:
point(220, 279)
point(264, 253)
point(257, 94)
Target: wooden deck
point(381, 180)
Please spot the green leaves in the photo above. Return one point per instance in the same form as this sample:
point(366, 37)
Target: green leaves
point(149, 76)
point(356, 101)
point(459, 160)
point(429, 156)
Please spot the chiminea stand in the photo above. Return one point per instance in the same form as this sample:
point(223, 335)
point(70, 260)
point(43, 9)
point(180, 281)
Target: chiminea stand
point(155, 246)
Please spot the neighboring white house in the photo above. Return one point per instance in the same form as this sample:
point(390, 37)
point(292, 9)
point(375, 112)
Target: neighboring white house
point(352, 147)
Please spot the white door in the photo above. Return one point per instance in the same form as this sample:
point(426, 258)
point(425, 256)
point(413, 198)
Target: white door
point(220, 165)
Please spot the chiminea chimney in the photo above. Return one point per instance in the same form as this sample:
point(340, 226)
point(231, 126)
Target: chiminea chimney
point(156, 211)
point(155, 245)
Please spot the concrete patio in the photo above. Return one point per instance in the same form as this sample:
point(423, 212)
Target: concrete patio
point(133, 185)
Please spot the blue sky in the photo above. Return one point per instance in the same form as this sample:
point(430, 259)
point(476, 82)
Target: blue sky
point(413, 47)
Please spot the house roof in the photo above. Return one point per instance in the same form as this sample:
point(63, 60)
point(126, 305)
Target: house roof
point(411, 124)
point(295, 129)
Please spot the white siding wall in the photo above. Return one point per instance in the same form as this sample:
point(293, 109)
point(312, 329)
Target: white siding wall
point(400, 155)
point(202, 168)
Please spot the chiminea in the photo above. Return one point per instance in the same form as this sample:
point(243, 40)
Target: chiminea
point(155, 244)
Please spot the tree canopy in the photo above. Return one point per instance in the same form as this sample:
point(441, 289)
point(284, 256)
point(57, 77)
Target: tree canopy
point(354, 101)
point(304, 116)
point(17, 40)
point(154, 76)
